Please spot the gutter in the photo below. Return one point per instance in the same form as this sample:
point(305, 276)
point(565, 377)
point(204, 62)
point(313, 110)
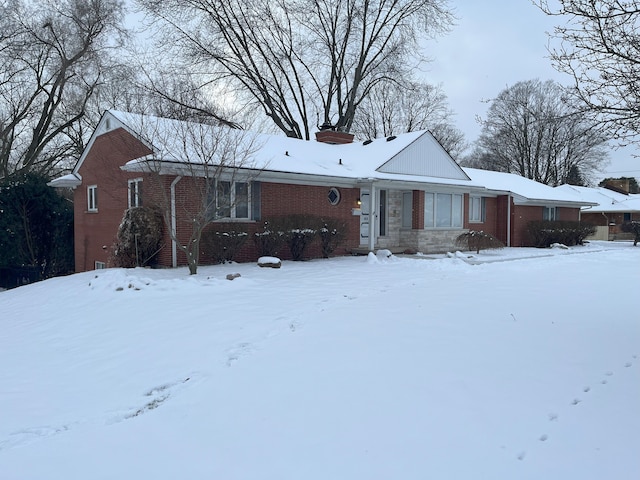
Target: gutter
point(174, 229)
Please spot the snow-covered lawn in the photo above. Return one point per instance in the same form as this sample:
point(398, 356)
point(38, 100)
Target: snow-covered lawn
point(513, 364)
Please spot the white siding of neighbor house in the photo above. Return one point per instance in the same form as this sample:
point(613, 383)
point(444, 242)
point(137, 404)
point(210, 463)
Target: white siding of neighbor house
point(426, 157)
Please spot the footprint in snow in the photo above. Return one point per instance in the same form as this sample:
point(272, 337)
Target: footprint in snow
point(30, 435)
point(157, 396)
point(236, 353)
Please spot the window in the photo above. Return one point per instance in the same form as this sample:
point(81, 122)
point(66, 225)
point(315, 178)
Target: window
point(333, 196)
point(442, 210)
point(100, 265)
point(92, 198)
point(549, 213)
point(407, 209)
point(382, 215)
point(626, 217)
point(135, 193)
point(232, 199)
point(477, 209)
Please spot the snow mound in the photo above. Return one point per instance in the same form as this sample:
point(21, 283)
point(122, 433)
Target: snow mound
point(118, 279)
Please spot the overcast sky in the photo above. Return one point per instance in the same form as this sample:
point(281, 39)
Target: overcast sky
point(495, 44)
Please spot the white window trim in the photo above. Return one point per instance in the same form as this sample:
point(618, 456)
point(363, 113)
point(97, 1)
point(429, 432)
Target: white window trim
point(133, 184)
point(546, 209)
point(232, 212)
point(481, 209)
point(92, 198)
point(99, 265)
point(433, 223)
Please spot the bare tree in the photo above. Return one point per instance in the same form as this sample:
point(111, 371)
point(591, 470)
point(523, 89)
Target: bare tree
point(303, 62)
point(53, 56)
point(392, 108)
point(197, 174)
point(532, 130)
point(599, 46)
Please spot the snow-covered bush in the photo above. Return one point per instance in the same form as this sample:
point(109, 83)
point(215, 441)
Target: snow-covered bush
point(269, 241)
point(332, 233)
point(224, 241)
point(139, 238)
point(632, 227)
point(477, 240)
point(545, 233)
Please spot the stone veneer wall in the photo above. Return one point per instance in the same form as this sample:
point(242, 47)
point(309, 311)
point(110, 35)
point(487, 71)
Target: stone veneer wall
point(431, 241)
point(394, 221)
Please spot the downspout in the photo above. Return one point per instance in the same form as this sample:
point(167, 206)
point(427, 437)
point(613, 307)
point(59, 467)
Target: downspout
point(509, 220)
point(174, 228)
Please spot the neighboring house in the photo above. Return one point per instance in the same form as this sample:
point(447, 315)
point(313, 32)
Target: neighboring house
point(612, 209)
point(518, 200)
point(402, 193)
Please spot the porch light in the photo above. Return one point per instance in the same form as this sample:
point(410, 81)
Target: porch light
point(358, 201)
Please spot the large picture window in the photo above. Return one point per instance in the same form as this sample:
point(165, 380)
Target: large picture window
point(442, 210)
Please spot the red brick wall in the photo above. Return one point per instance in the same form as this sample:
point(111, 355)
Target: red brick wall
point(284, 199)
point(597, 219)
point(417, 213)
point(277, 200)
point(568, 214)
point(95, 232)
point(522, 215)
point(490, 224)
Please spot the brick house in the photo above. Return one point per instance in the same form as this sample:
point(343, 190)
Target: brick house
point(404, 193)
point(608, 210)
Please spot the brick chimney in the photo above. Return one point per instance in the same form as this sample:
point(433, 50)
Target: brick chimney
point(328, 134)
point(620, 185)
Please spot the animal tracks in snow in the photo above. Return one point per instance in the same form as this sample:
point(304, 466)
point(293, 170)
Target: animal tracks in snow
point(553, 417)
point(153, 398)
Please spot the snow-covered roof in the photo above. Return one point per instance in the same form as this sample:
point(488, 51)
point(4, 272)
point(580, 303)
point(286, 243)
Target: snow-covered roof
point(524, 190)
point(605, 200)
point(410, 157)
point(66, 181)
point(411, 160)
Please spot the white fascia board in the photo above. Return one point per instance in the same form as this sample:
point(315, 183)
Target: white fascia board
point(71, 180)
point(101, 129)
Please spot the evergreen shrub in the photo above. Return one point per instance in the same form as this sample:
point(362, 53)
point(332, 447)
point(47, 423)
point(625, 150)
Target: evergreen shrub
point(224, 241)
point(545, 233)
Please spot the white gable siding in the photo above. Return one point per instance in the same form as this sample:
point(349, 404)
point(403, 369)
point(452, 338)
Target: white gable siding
point(425, 157)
